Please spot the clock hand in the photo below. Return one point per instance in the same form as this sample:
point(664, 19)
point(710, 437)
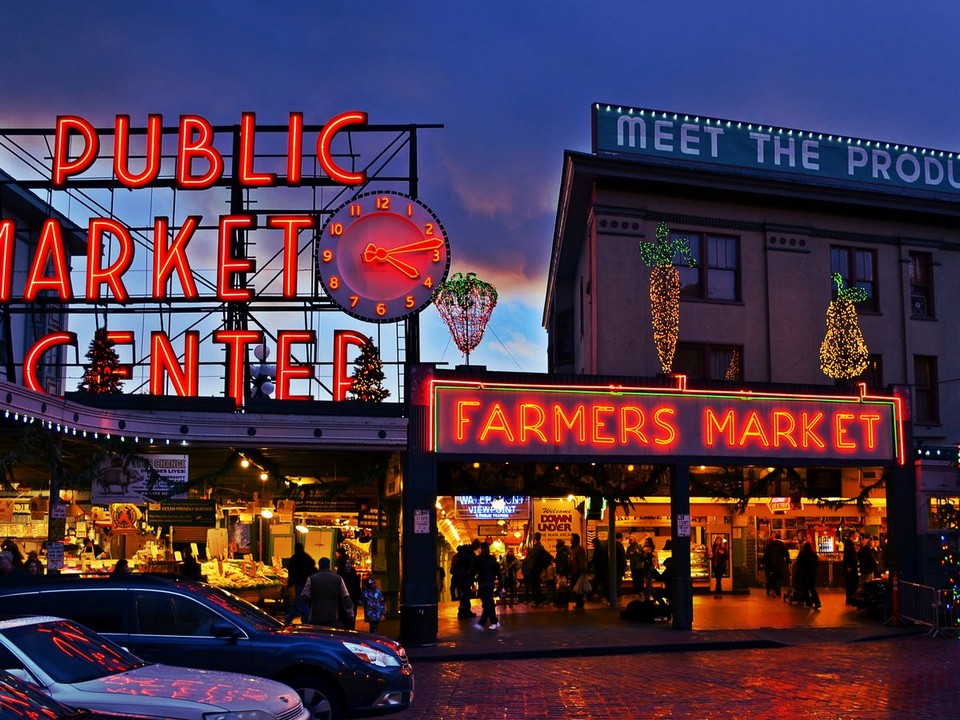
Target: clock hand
point(425, 244)
point(373, 253)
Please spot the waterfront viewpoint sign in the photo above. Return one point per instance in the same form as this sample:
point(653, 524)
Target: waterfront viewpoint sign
point(496, 419)
point(806, 155)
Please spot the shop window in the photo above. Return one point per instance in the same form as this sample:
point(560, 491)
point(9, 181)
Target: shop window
point(873, 374)
point(941, 513)
point(100, 610)
point(926, 400)
point(716, 274)
point(921, 285)
point(858, 268)
point(709, 362)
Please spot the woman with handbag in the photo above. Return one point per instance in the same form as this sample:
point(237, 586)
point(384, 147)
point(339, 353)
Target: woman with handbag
point(578, 569)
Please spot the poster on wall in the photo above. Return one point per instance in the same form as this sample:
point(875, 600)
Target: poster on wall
point(556, 519)
point(129, 479)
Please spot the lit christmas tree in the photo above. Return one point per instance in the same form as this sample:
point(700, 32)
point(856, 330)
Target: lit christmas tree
point(843, 352)
point(665, 291)
point(949, 521)
point(103, 375)
point(368, 376)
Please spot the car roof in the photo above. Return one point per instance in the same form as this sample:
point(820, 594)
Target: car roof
point(30, 620)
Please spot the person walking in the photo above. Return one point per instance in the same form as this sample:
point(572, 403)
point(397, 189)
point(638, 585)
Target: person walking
point(562, 574)
point(538, 560)
point(351, 578)
point(648, 566)
point(806, 569)
point(300, 567)
point(463, 573)
point(851, 572)
point(719, 562)
point(578, 566)
point(324, 592)
point(868, 560)
point(633, 561)
point(776, 561)
point(510, 570)
point(373, 604)
point(488, 579)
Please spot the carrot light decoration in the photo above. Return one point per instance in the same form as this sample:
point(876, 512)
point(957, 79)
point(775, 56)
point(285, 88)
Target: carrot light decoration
point(665, 290)
point(843, 352)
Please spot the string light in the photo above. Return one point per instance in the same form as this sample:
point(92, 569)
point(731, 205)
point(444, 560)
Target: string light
point(843, 352)
point(465, 304)
point(665, 290)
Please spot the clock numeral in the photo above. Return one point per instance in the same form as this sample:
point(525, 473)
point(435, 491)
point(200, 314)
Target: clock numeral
point(428, 229)
point(436, 255)
point(327, 255)
point(381, 309)
point(336, 229)
point(409, 209)
point(409, 301)
point(428, 282)
point(356, 209)
point(334, 282)
point(383, 202)
point(354, 299)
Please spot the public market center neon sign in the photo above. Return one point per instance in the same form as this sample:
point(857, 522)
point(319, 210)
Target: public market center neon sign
point(199, 166)
point(477, 419)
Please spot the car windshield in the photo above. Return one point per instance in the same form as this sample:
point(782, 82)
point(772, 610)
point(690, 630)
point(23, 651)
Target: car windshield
point(239, 609)
point(21, 700)
point(69, 653)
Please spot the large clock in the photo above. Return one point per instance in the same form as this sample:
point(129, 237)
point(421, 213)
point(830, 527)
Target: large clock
point(381, 256)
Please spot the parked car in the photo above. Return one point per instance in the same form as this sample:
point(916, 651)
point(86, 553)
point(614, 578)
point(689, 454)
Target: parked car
point(337, 673)
point(21, 700)
point(78, 667)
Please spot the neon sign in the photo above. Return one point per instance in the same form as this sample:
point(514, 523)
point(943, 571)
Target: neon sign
point(504, 419)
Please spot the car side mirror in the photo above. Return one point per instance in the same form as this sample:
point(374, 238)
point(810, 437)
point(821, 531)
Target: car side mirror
point(223, 629)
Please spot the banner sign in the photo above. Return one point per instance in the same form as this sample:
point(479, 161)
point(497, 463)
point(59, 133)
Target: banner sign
point(130, 479)
point(805, 155)
point(493, 419)
point(184, 513)
point(555, 519)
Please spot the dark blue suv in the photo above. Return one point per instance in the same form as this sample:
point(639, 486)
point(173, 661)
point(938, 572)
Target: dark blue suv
point(338, 673)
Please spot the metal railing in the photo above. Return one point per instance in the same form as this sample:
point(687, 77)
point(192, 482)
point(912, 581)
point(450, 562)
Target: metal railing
point(924, 605)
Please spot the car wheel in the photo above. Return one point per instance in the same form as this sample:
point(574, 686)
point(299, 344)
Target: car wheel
point(318, 696)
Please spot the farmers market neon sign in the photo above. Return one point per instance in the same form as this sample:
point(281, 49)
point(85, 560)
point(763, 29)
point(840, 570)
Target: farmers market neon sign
point(492, 418)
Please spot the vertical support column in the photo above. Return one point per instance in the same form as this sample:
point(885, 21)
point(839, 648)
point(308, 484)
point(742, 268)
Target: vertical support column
point(418, 586)
point(682, 590)
point(903, 532)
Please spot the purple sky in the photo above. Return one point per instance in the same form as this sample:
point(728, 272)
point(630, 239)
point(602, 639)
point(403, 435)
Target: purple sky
point(511, 82)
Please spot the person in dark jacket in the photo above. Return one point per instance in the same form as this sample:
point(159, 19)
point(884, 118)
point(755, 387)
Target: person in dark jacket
point(488, 579)
point(325, 592)
point(190, 568)
point(299, 568)
point(851, 572)
point(776, 563)
point(351, 578)
point(806, 569)
point(463, 573)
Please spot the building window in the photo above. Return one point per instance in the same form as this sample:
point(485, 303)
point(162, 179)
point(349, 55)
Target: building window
point(926, 401)
point(858, 268)
point(873, 374)
point(716, 275)
point(921, 285)
point(709, 362)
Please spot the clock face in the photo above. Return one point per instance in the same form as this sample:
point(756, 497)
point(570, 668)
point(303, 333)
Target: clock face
point(381, 256)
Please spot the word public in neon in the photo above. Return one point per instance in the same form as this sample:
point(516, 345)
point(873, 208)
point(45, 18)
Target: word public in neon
point(503, 419)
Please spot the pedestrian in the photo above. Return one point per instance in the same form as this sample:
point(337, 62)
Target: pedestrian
point(300, 567)
point(633, 561)
point(538, 560)
point(351, 578)
point(441, 577)
point(10, 546)
point(8, 570)
point(776, 561)
point(190, 568)
point(325, 592)
point(562, 574)
point(120, 568)
point(851, 572)
point(664, 596)
point(719, 562)
point(599, 565)
point(578, 566)
point(33, 567)
point(647, 567)
point(510, 570)
point(806, 574)
point(463, 574)
point(488, 579)
point(373, 604)
point(868, 560)
point(621, 557)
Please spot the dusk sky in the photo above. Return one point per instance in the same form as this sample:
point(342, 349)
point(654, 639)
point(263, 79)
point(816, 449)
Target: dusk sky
point(512, 84)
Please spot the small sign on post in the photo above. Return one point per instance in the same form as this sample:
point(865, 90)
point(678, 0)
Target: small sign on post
point(683, 526)
point(421, 522)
